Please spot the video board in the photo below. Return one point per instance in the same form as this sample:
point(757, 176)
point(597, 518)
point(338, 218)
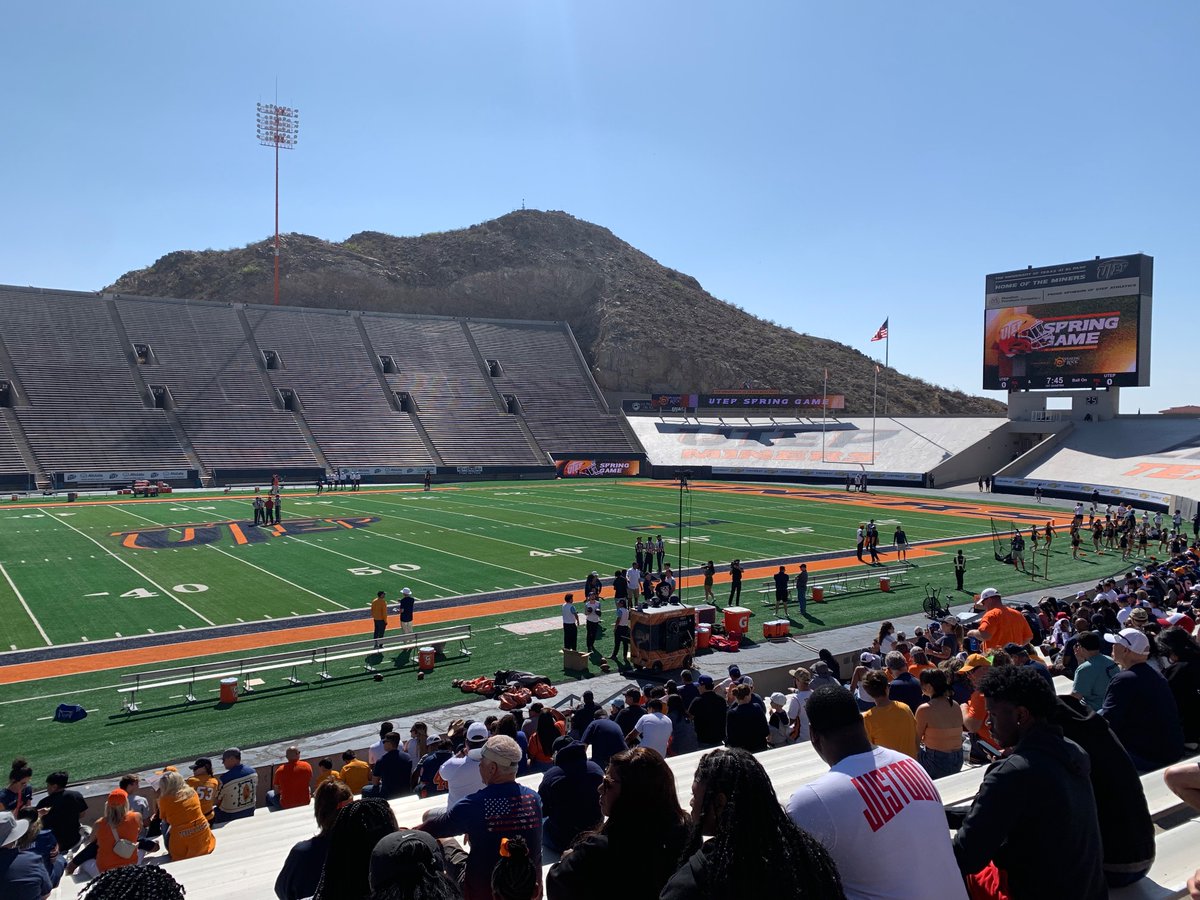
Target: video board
point(1078, 325)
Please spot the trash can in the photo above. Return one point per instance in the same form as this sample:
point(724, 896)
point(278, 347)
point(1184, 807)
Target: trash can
point(229, 692)
point(426, 657)
point(703, 636)
point(885, 584)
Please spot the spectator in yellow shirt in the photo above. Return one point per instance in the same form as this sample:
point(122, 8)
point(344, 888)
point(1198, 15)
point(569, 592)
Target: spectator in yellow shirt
point(891, 723)
point(354, 772)
point(205, 786)
point(325, 771)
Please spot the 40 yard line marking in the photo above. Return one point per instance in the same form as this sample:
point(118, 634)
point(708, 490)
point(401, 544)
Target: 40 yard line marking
point(248, 563)
point(32, 618)
point(140, 575)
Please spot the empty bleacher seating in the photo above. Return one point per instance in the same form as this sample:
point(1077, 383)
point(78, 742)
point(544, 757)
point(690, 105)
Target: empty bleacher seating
point(456, 405)
point(561, 409)
point(325, 363)
point(116, 383)
point(85, 408)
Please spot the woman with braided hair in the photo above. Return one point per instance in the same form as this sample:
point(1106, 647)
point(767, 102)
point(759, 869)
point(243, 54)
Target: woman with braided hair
point(754, 850)
point(133, 883)
point(515, 877)
point(359, 826)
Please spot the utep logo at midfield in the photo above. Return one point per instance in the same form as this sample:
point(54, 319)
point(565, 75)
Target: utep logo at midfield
point(174, 536)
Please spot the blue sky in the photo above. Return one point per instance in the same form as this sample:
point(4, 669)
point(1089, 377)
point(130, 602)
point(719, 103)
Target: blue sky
point(822, 165)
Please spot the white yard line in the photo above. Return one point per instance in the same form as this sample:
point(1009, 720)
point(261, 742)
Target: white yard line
point(558, 535)
point(247, 563)
point(362, 562)
point(486, 537)
point(32, 617)
point(143, 576)
point(280, 577)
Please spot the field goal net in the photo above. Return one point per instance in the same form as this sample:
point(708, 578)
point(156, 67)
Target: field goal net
point(1035, 555)
point(1002, 533)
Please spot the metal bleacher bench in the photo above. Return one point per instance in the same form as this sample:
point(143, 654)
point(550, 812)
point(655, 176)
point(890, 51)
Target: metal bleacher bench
point(243, 669)
point(842, 582)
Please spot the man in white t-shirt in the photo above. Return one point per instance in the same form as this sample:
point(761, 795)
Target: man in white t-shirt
point(376, 749)
point(461, 772)
point(875, 811)
point(570, 618)
point(653, 730)
point(591, 616)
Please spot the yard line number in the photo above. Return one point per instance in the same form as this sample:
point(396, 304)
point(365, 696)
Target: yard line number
point(395, 567)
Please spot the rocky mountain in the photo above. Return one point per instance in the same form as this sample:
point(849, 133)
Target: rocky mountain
point(643, 327)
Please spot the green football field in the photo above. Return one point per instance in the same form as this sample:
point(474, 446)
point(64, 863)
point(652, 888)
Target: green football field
point(86, 572)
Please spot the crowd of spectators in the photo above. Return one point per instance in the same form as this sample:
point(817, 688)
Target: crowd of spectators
point(914, 710)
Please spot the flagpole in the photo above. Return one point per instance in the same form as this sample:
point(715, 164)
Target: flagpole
point(887, 344)
point(824, 409)
point(874, 403)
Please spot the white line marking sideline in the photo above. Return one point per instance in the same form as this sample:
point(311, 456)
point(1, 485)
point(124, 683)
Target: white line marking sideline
point(144, 577)
point(32, 618)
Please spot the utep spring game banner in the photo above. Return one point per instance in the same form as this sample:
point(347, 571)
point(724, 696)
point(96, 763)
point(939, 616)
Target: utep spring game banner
point(590, 468)
point(1072, 344)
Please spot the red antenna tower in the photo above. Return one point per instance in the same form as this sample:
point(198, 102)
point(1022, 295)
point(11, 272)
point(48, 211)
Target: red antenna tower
point(278, 127)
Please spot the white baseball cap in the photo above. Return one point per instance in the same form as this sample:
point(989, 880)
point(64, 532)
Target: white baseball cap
point(1131, 639)
point(988, 593)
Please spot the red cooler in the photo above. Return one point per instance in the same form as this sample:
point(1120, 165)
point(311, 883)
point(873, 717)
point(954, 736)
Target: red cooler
point(703, 636)
point(818, 594)
point(229, 692)
point(426, 657)
point(885, 584)
point(737, 620)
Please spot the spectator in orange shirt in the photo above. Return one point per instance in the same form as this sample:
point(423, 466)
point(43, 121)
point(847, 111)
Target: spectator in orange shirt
point(292, 782)
point(975, 709)
point(999, 625)
point(354, 772)
point(185, 829)
point(920, 662)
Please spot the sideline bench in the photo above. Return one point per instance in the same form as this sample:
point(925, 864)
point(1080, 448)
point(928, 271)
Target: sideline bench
point(845, 582)
point(243, 669)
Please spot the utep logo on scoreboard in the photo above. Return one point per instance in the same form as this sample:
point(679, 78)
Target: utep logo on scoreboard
point(239, 532)
point(1112, 268)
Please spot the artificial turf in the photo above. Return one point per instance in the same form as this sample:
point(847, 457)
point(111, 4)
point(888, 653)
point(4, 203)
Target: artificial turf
point(460, 540)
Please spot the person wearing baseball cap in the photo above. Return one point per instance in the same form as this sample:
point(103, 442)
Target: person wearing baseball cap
point(205, 786)
point(708, 713)
point(22, 872)
point(975, 709)
point(1139, 706)
point(407, 603)
point(461, 771)
point(999, 625)
point(502, 809)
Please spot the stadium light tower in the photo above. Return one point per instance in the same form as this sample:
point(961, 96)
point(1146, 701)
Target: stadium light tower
point(278, 127)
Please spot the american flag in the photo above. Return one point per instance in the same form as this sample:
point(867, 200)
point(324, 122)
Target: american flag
point(881, 334)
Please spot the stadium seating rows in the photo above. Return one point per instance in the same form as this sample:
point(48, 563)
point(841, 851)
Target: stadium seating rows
point(250, 852)
point(87, 397)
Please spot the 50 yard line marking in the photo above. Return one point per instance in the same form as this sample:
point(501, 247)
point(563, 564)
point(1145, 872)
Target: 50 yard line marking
point(140, 575)
point(32, 617)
